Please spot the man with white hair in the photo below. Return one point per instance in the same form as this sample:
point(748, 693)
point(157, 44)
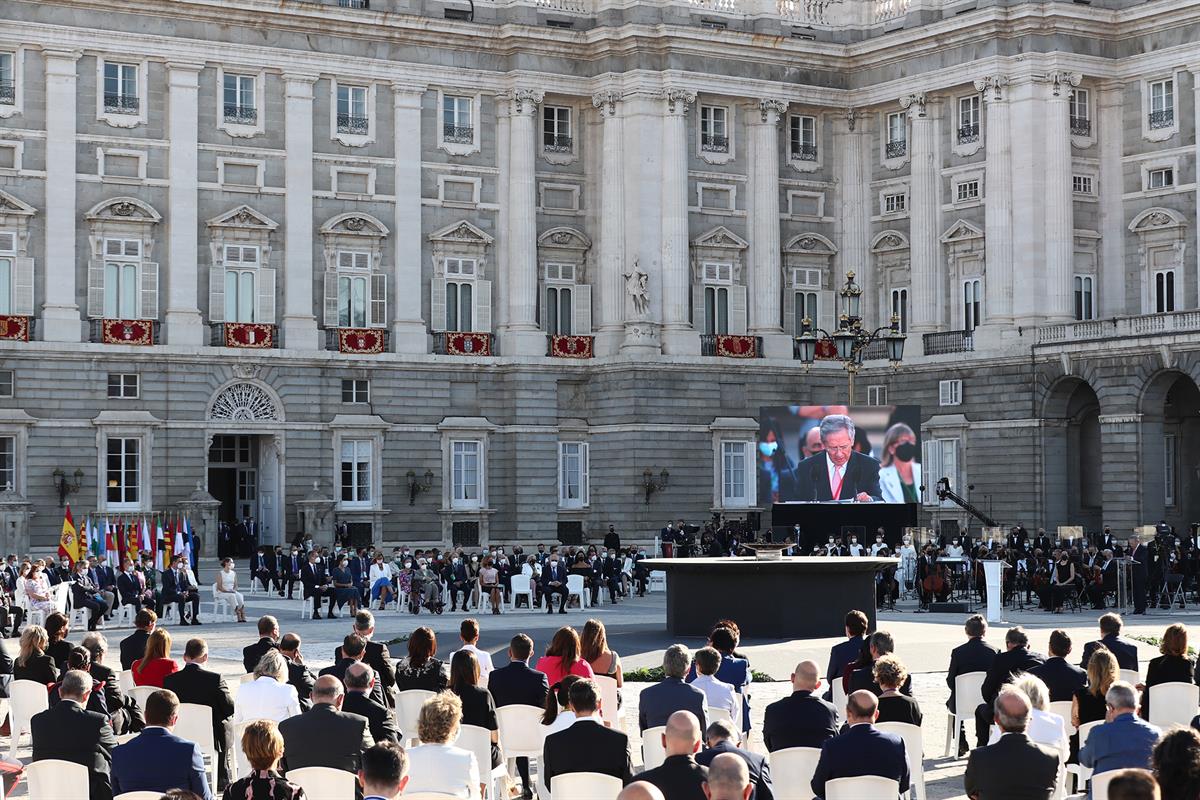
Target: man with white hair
point(1125, 740)
point(1013, 768)
point(838, 472)
point(728, 779)
point(658, 702)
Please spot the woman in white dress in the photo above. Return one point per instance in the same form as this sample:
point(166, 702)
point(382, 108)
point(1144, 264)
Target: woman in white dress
point(227, 589)
point(37, 590)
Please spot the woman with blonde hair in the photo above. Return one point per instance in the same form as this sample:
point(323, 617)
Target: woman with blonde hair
point(1088, 704)
point(436, 765)
point(1173, 666)
point(32, 663)
point(263, 745)
point(156, 664)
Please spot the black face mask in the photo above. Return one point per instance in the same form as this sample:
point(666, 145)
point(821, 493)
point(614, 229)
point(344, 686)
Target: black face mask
point(906, 451)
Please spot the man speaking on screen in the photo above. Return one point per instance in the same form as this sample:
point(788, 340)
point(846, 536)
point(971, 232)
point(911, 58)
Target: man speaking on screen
point(838, 473)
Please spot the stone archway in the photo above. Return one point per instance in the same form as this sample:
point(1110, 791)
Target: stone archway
point(1073, 460)
point(1170, 449)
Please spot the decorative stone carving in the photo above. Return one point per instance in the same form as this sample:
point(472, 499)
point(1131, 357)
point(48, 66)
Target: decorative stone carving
point(851, 116)
point(606, 102)
point(637, 286)
point(246, 371)
point(994, 84)
point(525, 101)
point(244, 402)
point(914, 103)
point(355, 224)
point(1059, 80)
point(678, 100)
point(768, 107)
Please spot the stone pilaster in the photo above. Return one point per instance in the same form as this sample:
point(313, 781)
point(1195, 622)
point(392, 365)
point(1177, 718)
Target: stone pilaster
point(998, 194)
point(1108, 125)
point(1060, 212)
point(299, 322)
point(855, 232)
point(60, 314)
point(184, 324)
point(678, 337)
point(408, 326)
point(609, 282)
point(924, 264)
point(767, 272)
point(520, 335)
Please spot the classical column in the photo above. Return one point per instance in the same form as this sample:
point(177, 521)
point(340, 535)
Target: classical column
point(1060, 210)
point(1109, 129)
point(60, 314)
point(678, 337)
point(299, 322)
point(408, 327)
point(998, 239)
point(854, 220)
point(184, 324)
point(1196, 110)
point(923, 218)
point(766, 281)
point(609, 283)
point(642, 153)
point(520, 335)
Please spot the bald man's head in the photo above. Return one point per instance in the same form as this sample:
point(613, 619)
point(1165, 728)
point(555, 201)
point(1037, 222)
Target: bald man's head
point(328, 689)
point(640, 790)
point(861, 706)
point(1012, 710)
point(682, 734)
point(728, 778)
point(806, 677)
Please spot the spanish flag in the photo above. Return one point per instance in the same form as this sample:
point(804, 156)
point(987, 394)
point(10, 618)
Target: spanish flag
point(68, 543)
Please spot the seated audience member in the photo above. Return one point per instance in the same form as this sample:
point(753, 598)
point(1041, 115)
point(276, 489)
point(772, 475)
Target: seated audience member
point(1173, 665)
point(1133, 784)
point(1013, 767)
point(375, 654)
point(593, 648)
point(81, 660)
point(802, 719)
point(862, 749)
point(1176, 764)
point(436, 765)
point(421, 670)
point(195, 684)
point(640, 790)
point(268, 639)
point(263, 746)
point(1043, 727)
point(299, 675)
point(123, 711)
point(1110, 636)
point(843, 654)
point(660, 701)
point(734, 668)
point(718, 694)
point(360, 680)
point(478, 707)
point(133, 646)
point(268, 696)
point(557, 714)
point(879, 644)
point(156, 663)
point(1124, 740)
point(679, 776)
point(586, 746)
point(1016, 658)
point(468, 632)
point(353, 651)
point(32, 663)
point(720, 738)
point(69, 732)
point(518, 684)
point(973, 655)
point(57, 647)
point(156, 759)
point(563, 657)
point(384, 771)
point(325, 736)
point(728, 779)
point(1061, 677)
point(890, 674)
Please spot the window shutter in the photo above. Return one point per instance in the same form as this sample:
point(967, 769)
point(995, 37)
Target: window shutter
point(930, 470)
point(581, 311)
point(751, 476)
point(483, 306)
point(584, 487)
point(148, 289)
point(331, 299)
point(437, 303)
point(737, 309)
point(950, 462)
point(266, 296)
point(96, 288)
point(378, 317)
point(23, 287)
point(698, 308)
point(216, 293)
point(789, 312)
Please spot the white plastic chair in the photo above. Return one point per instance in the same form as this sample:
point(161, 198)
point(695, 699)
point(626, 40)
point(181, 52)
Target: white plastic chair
point(839, 699)
point(1173, 703)
point(79, 618)
point(1133, 677)
point(521, 733)
point(1063, 709)
point(654, 753)
point(222, 607)
point(1101, 780)
point(861, 786)
point(575, 588)
point(125, 680)
point(968, 694)
point(515, 583)
point(1081, 772)
point(54, 779)
point(324, 781)
point(914, 748)
point(585, 786)
point(657, 581)
point(408, 708)
point(196, 725)
point(610, 710)
point(141, 693)
point(61, 595)
point(479, 741)
point(170, 615)
point(792, 770)
point(138, 796)
point(126, 615)
point(241, 764)
point(25, 699)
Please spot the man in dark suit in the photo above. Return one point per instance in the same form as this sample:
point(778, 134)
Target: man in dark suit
point(843, 654)
point(838, 473)
point(974, 655)
point(1014, 768)
point(290, 566)
point(1125, 651)
point(801, 719)
point(360, 680)
point(880, 644)
point(299, 675)
point(376, 654)
point(156, 759)
point(586, 746)
point(517, 684)
point(554, 582)
point(268, 639)
point(679, 776)
point(720, 739)
point(315, 578)
point(325, 736)
point(123, 712)
point(69, 732)
point(1017, 658)
point(263, 569)
point(353, 649)
point(862, 749)
point(459, 582)
point(178, 588)
point(132, 588)
point(85, 594)
point(133, 646)
point(1140, 571)
point(658, 702)
point(194, 684)
point(1060, 676)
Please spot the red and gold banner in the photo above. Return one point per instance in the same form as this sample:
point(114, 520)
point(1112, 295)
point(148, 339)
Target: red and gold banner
point(365, 341)
point(468, 344)
point(571, 346)
point(825, 350)
point(737, 346)
point(14, 328)
point(128, 331)
point(255, 335)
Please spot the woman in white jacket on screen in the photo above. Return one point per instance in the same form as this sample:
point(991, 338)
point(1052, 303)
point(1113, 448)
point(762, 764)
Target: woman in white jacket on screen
point(900, 471)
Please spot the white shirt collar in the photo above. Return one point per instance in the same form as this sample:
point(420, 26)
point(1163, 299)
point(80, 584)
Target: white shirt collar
point(834, 468)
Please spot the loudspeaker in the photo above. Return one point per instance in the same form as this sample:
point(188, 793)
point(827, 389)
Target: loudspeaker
point(949, 608)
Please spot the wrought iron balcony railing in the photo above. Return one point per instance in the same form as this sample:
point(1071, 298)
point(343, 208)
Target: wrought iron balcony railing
point(712, 143)
point(8, 93)
point(241, 115)
point(348, 123)
point(120, 104)
point(1081, 126)
point(1162, 119)
point(557, 143)
point(354, 3)
point(804, 152)
point(458, 134)
point(936, 344)
point(897, 148)
point(968, 133)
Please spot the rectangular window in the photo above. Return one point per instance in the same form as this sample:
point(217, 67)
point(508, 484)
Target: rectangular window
point(457, 124)
point(356, 471)
point(939, 460)
point(1164, 291)
point(556, 129)
point(972, 303)
point(572, 474)
point(558, 310)
point(966, 191)
point(8, 463)
point(1082, 184)
point(1162, 104)
point(733, 475)
point(897, 135)
point(352, 116)
point(465, 475)
point(895, 203)
point(716, 310)
point(241, 283)
point(1170, 468)
point(123, 385)
point(7, 383)
point(968, 119)
point(1163, 178)
point(877, 395)
point(1080, 111)
point(900, 307)
point(1085, 297)
point(805, 306)
point(122, 258)
point(120, 88)
point(353, 299)
point(238, 98)
point(460, 305)
point(123, 471)
point(950, 392)
point(714, 130)
point(356, 390)
point(8, 86)
point(802, 135)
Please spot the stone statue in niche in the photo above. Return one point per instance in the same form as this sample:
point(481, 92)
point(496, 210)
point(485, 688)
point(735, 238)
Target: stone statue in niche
point(636, 285)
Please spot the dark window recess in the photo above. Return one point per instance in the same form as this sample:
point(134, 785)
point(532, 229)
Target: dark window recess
point(361, 534)
point(566, 24)
point(465, 534)
point(461, 14)
point(807, 37)
point(949, 528)
point(714, 24)
point(570, 532)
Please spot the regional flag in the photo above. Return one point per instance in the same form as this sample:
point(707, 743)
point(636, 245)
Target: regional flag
point(168, 547)
point(96, 540)
point(158, 544)
point(180, 548)
point(110, 539)
point(68, 541)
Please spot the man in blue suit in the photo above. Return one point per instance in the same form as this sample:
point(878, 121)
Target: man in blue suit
point(1124, 740)
point(720, 738)
point(658, 702)
point(518, 684)
point(554, 581)
point(843, 654)
point(1126, 652)
point(862, 749)
point(156, 759)
point(460, 583)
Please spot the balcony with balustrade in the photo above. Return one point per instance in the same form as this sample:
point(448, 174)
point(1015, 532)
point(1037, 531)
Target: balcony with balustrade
point(1119, 329)
point(8, 93)
point(557, 143)
point(896, 148)
point(946, 342)
point(804, 152)
point(240, 114)
point(968, 133)
point(714, 143)
point(120, 103)
point(1081, 126)
point(458, 134)
point(349, 123)
point(1162, 119)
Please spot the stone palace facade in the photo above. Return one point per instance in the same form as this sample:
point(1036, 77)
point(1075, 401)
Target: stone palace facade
point(452, 271)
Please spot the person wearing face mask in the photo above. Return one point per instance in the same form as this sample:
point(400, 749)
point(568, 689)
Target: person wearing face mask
point(831, 547)
point(459, 581)
point(854, 548)
point(425, 588)
point(776, 472)
point(954, 549)
point(554, 582)
point(289, 569)
point(900, 471)
point(381, 582)
point(880, 543)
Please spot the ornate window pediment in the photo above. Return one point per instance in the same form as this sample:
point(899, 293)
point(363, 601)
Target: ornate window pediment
point(889, 241)
point(961, 231)
point(14, 216)
point(244, 402)
point(722, 238)
point(461, 232)
point(810, 244)
point(1157, 219)
point(243, 217)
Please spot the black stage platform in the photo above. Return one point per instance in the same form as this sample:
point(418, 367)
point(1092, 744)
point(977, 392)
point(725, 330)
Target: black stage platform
point(788, 598)
point(818, 520)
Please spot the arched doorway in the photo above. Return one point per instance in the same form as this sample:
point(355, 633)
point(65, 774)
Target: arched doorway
point(1074, 484)
point(1170, 450)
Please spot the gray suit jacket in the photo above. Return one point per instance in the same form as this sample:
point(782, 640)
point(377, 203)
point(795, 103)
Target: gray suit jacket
point(325, 737)
point(661, 700)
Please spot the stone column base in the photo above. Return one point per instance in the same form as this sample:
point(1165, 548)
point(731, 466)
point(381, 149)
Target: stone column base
point(300, 333)
point(410, 338)
point(641, 339)
point(776, 345)
point(680, 341)
point(186, 328)
point(607, 342)
point(61, 324)
point(521, 342)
